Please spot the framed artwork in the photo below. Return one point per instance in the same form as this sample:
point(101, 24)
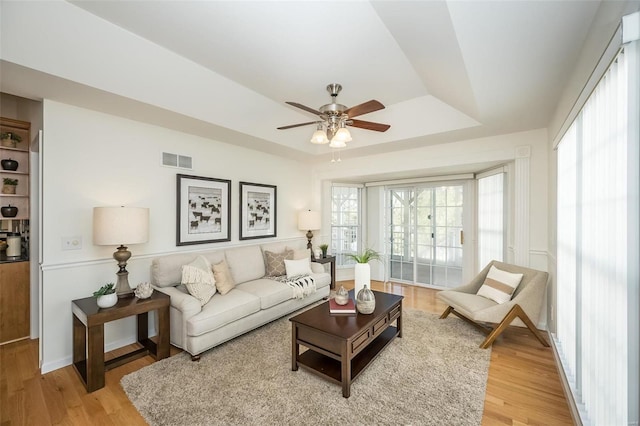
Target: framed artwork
point(203, 210)
point(257, 210)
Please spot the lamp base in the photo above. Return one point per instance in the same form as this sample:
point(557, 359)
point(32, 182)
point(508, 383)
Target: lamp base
point(122, 286)
point(123, 289)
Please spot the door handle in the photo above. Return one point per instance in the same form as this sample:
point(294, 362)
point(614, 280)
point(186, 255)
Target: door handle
point(461, 237)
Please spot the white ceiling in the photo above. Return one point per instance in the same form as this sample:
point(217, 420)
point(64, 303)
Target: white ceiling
point(443, 69)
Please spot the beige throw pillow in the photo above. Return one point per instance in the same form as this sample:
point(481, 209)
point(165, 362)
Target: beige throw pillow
point(198, 279)
point(499, 285)
point(274, 262)
point(224, 280)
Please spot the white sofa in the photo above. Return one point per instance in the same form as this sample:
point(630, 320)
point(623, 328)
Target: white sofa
point(253, 302)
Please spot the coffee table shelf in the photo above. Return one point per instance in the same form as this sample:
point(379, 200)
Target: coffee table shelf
point(331, 368)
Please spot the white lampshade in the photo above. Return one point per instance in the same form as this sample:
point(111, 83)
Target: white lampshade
point(342, 135)
point(309, 220)
point(319, 137)
point(337, 143)
point(120, 225)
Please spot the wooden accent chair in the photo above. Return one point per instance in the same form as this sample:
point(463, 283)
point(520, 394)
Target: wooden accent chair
point(523, 310)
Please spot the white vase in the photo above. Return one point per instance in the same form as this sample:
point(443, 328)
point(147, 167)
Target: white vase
point(362, 277)
point(108, 300)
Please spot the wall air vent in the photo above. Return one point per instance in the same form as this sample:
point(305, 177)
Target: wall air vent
point(176, 160)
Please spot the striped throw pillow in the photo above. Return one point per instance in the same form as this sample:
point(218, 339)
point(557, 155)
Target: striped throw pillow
point(499, 285)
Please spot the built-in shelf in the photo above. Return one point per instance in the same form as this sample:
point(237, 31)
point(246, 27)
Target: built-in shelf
point(20, 154)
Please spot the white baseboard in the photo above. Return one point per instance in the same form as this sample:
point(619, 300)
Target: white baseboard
point(573, 406)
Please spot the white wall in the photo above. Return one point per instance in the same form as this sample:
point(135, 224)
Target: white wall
point(93, 159)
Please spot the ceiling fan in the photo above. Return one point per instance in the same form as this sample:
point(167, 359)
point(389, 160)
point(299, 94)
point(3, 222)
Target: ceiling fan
point(335, 117)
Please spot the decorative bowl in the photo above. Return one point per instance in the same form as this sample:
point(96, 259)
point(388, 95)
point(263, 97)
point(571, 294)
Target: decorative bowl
point(143, 291)
point(9, 211)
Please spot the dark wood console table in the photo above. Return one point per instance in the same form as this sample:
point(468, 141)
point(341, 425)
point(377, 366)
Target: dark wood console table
point(88, 334)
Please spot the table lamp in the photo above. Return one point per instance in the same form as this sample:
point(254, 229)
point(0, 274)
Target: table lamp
point(309, 221)
point(121, 225)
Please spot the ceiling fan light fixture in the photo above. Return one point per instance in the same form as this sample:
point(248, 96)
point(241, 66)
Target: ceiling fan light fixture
point(319, 136)
point(343, 134)
point(337, 143)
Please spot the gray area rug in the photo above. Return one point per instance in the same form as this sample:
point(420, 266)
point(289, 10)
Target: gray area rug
point(434, 375)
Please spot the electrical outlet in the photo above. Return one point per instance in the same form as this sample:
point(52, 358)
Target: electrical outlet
point(71, 243)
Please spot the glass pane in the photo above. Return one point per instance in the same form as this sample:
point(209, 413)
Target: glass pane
point(441, 196)
point(441, 236)
point(454, 196)
point(454, 216)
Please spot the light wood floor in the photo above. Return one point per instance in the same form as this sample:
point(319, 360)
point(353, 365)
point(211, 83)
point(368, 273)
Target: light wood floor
point(523, 387)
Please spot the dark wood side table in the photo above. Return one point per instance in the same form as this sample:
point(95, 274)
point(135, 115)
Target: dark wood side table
point(332, 260)
point(88, 334)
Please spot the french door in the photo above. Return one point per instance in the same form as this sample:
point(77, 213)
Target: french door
point(426, 234)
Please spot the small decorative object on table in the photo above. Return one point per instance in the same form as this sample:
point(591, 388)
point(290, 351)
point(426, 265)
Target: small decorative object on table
point(324, 248)
point(342, 296)
point(366, 301)
point(143, 291)
point(106, 295)
point(362, 269)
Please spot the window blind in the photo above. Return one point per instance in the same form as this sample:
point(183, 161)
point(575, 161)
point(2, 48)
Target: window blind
point(490, 219)
point(594, 263)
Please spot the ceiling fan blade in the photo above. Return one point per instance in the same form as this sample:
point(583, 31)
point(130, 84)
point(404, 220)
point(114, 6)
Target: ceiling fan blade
point(291, 126)
point(369, 125)
point(306, 108)
point(364, 108)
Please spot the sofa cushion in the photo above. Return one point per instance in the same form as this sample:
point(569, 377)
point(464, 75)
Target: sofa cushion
point(274, 262)
point(224, 280)
point(197, 277)
point(297, 267)
point(269, 291)
point(499, 285)
point(465, 303)
point(222, 310)
point(166, 271)
point(245, 263)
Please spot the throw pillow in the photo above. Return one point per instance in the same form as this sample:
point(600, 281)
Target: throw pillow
point(297, 267)
point(224, 280)
point(302, 254)
point(499, 285)
point(274, 262)
point(198, 279)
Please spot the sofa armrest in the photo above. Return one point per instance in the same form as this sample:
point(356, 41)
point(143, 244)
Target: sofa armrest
point(185, 303)
point(317, 268)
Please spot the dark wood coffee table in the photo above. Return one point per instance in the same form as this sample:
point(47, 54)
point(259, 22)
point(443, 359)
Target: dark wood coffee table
point(340, 347)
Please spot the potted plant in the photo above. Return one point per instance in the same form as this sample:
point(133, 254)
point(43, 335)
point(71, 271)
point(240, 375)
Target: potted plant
point(106, 295)
point(362, 269)
point(10, 139)
point(9, 185)
point(324, 248)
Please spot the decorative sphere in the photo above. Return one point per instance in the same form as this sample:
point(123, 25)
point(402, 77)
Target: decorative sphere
point(143, 291)
point(366, 301)
point(342, 296)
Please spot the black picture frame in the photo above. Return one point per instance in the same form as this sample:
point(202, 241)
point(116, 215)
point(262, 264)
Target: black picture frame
point(258, 210)
point(203, 210)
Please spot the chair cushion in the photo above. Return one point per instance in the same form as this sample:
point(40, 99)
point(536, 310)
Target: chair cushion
point(222, 310)
point(499, 285)
point(465, 303)
point(198, 278)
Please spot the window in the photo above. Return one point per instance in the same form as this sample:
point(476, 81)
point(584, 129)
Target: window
point(491, 236)
point(597, 279)
point(345, 222)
